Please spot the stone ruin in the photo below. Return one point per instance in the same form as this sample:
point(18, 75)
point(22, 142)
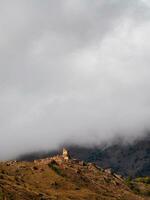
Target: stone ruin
point(66, 155)
point(58, 158)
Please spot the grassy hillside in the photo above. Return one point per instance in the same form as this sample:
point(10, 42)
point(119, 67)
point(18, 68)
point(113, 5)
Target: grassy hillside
point(55, 178)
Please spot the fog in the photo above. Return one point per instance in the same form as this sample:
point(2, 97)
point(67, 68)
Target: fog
point(75, 71)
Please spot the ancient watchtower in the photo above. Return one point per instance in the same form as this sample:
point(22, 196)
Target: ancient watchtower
point(66, 154)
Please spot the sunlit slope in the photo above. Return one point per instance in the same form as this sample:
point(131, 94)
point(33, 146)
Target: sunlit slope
point(56, 178)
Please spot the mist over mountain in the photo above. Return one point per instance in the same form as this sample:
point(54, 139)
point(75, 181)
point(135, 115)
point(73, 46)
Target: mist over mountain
point(127, 159)
point(75, 71)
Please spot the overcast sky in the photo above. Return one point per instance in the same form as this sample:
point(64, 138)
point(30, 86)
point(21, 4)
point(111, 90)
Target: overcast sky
point(72, 70)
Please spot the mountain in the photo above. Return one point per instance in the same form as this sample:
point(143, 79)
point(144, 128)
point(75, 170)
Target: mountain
point(63, 178)
point(127, 159)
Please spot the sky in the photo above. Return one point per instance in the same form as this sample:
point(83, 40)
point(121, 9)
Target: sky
point(72, 70)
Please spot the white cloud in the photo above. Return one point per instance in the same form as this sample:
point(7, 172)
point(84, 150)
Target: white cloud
point(72, 70)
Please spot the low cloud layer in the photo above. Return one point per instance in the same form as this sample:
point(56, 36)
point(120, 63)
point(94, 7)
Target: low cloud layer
point(74, 71)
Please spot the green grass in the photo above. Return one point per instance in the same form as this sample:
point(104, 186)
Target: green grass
point(56, 168)
point(1, 195)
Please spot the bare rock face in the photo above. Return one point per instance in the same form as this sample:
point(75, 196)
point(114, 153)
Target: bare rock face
point(66, 155)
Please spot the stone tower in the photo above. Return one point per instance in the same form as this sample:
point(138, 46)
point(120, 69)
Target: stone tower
point(66, 154)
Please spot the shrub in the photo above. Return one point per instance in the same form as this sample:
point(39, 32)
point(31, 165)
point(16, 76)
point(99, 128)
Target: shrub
point(145, 180)
point(128, 181)
point(131, 185)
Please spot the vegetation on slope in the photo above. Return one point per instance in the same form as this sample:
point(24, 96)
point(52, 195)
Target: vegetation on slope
point(54, 178)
